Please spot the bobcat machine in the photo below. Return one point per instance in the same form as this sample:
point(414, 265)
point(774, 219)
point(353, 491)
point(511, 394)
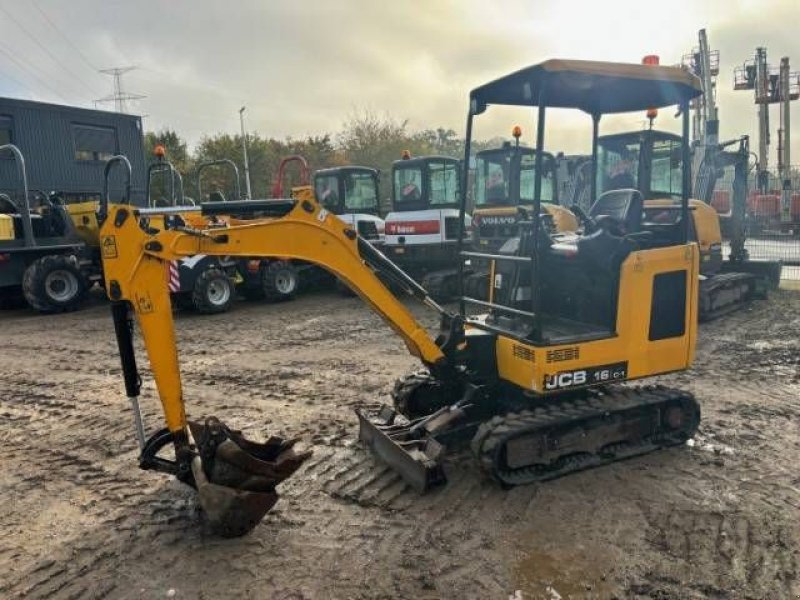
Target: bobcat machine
point(351, 193)
point(43, 258)
point(423, 226)
point(529, 382)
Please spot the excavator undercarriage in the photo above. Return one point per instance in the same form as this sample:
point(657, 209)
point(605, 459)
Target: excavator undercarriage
point(524, 441)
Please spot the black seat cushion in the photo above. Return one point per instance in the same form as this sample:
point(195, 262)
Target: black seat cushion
point(625, 206)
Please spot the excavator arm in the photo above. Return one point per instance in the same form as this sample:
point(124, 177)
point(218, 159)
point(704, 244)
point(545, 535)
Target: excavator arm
point(135, 265)
point(135, 260)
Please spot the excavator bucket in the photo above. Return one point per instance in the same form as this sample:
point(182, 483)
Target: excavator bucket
point(236, 478)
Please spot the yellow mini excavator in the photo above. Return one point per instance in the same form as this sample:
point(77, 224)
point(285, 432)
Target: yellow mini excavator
point(532, 384)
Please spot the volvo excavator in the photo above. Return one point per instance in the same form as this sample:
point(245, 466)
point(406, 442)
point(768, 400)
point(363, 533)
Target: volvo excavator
point(504, 179)
point(531, 382)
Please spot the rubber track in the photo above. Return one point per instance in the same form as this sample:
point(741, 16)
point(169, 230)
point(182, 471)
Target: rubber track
point(723, 282)
point(493, 434)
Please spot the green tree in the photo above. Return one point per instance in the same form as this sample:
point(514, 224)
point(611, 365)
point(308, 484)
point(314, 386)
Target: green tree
point(264, 156)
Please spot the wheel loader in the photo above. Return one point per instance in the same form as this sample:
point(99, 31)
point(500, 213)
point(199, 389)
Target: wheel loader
point(531, 382)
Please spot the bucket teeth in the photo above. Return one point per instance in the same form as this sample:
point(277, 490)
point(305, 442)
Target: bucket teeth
point(236, 477)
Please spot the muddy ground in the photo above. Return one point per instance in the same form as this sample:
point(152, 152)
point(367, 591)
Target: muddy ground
point(79, 520)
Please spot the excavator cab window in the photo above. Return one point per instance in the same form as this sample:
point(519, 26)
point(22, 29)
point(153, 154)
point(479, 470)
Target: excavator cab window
point(491, 182)
point(618, 164)
point(666, 174)
point(527, 179)
point(443, 183)
point(408, 186)
point(360, 193)
point(506, 177)
point(326, 190)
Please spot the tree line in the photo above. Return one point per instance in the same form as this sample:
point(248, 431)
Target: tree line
point(365, 139)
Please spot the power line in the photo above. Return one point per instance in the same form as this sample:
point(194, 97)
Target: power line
point(63, 36)
point(119, 97)
point(44, 48)
point(12, 79)
point(29, 71)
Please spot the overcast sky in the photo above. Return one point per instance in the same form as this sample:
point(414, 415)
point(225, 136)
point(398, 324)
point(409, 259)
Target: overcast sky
point(302, 67)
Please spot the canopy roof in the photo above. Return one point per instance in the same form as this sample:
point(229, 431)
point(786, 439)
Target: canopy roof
point(591, 86)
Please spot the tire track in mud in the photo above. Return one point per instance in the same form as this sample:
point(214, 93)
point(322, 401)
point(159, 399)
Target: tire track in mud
point(346, 526)
point(468, 510)
point(724, 553)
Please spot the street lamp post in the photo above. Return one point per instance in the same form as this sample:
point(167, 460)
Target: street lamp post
point(244, 151)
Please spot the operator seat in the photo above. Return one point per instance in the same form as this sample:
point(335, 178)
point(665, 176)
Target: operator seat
point(617, 215)
point(624, 206)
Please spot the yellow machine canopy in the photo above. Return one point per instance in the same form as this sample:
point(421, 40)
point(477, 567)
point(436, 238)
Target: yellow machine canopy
point(592, 86)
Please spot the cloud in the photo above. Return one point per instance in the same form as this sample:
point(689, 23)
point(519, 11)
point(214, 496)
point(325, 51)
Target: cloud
point(301, 67)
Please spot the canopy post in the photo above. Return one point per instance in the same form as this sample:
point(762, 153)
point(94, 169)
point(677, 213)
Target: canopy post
point(536, 217)
point(462, 210)
point(595, 134)
point(687, 172)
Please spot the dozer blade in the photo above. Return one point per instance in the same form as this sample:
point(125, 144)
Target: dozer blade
point(408, 448)
point(236, 478)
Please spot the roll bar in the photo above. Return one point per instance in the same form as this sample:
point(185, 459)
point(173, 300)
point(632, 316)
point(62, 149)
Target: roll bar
point(218, 162)
point(24, 207)
point(277, 186)
point(165, 165)
point(102, 211)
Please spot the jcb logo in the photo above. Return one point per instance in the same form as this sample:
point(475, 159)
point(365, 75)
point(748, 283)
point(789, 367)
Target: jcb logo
point(564, 380)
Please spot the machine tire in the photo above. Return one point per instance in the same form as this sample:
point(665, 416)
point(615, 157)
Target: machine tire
point(213, 292)
point(53, 284)
point(280, 280)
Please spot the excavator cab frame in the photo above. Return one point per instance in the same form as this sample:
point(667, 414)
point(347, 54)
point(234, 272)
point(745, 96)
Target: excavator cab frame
point(336, 200)
point(640, 146)
point(507, 160)
point(176, 192)
point(403, 201)
point(596, 89)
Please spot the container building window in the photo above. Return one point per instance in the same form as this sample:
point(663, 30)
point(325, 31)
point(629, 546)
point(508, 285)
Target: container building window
point(94, 143)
